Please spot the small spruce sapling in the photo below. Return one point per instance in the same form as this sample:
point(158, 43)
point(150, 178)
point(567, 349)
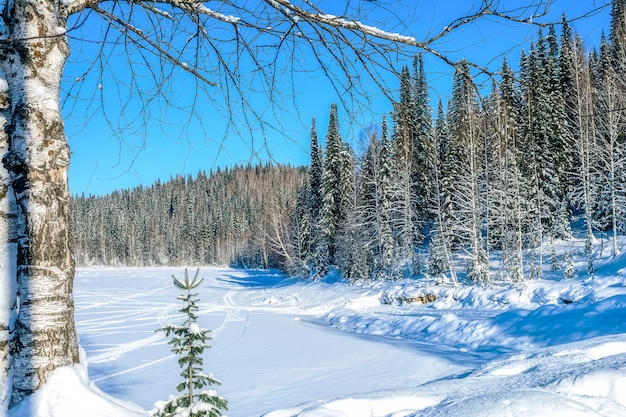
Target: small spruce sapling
point(188, 342)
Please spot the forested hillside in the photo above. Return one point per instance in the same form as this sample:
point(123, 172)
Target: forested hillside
point(233, 216)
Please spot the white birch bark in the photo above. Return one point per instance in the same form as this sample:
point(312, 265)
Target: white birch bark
point(38, 159)
point(7, 257)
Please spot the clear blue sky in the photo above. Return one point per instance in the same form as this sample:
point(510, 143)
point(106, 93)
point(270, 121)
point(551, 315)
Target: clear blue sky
point(103, 161)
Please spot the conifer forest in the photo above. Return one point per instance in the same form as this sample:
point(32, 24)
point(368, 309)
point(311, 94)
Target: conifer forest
point(442, 188)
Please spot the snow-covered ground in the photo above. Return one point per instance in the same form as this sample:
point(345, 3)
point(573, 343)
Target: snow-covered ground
point(268, 348)
point(284, 348)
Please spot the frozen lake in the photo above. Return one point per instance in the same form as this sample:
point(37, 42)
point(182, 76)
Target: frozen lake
point(268, 348)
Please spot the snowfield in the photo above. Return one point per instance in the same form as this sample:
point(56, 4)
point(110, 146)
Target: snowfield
point(283, 347)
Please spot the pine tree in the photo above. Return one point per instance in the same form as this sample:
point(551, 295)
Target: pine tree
point(188, 343)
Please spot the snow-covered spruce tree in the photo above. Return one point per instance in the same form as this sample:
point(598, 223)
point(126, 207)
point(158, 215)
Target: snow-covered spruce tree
point(301, 234)
point(618, 36)
point(337, 188)
point(385, 201)
point(547, 155)
point(315, 174)
point(405, 215)
point(317, 256)
point(440, 249)
point(538, 166)
point(188, 342)
point(423, 151)
point(375, 202)
point(560, 141)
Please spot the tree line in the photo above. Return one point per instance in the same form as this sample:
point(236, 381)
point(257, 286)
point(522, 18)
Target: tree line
point(232, 216)
point(504, 173)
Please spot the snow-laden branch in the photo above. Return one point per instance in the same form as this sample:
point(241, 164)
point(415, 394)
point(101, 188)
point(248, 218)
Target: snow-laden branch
point(314, 15)
point(340, 22)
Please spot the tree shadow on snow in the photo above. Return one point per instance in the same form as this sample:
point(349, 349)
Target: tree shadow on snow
point(251, 278)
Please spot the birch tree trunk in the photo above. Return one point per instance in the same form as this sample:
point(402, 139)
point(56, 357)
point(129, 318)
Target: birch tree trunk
point(7, 258)
point(38, 159)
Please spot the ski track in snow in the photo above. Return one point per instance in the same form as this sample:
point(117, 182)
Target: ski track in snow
point(135, 368)
point(268, 346)
point(234, 325)
point(292, 348)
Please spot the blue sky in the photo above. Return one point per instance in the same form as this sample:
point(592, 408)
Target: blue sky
point(170, 143)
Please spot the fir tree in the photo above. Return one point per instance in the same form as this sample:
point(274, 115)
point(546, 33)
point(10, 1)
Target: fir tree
point(188, 342)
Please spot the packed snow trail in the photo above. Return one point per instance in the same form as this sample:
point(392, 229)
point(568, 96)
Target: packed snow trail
point(267, 349)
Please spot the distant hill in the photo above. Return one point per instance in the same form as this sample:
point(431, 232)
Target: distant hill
point(227, 217)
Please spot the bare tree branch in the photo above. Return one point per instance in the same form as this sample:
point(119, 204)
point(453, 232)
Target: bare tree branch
point(246, 54)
